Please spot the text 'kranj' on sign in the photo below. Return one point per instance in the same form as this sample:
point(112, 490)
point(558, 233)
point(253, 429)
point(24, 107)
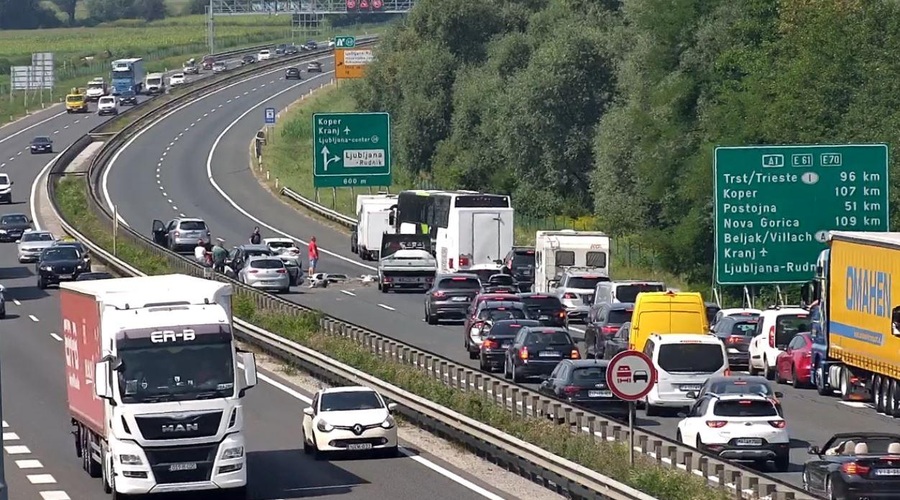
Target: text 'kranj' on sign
point(776, 204)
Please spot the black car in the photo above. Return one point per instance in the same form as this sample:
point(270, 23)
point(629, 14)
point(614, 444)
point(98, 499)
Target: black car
point(292, 73)
point(281, 48)
point(582, 382)
point(41, 144)
point(450, 297)
point(59, 263)
point(609, 319)
point(500, 283)
point(736, 332)
point(855, 465)
point(128, 98)
point(606, 347)
point(291, 50)
point(94, 276)
point(537, 350)
point(496, 337)
point(519, 262)
point(314, 67)
point(77, 245)
point(311, 45)
point(739, 384)
point(12, 226)
point(545, 308)
point(248, 59)
point(488, 312)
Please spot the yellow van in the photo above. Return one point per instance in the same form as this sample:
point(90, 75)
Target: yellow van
point(666, 312)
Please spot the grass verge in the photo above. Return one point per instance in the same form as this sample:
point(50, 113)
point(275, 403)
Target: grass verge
point(610, 459)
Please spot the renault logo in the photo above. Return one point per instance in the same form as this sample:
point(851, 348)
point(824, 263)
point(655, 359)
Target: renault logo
point(357, 429)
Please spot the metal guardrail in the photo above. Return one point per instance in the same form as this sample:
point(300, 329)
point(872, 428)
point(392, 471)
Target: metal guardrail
point(516, 399)
point(321, 211)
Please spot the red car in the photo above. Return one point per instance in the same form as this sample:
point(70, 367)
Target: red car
point(793, 365)
point(493, 297)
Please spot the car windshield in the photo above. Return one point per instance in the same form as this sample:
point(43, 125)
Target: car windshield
point(459, 283)
point(745, 328)
point(548, 337)
point(37, 237)
point(506, 328)
point(60, 253)
point(13, 219)
point(350, 401)
point(629, 293)
point(281, 244)
point(176, 373)
point(177, 75)
point(788, 325)
point(267, 264)
point(192, 225)
point(95, 86)
point(501, 313)
point(691, 358)
point(740, 387)
point(542, 303)
point(619, 316)
point(4, 179)
point(522, 260)
point(589, 375)
point(745, 408)
point(41, 140)
point(584, 282)
point(259, 252)
point(107, 100)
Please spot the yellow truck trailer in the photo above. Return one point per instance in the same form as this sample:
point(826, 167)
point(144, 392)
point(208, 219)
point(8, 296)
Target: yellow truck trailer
point(856, 315)
point(76, 101)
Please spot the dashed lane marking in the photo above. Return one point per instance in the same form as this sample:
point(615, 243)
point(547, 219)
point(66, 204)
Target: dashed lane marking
point(346, 292)
point(54, 495)
point(56, 337)
point(29, 464)
point(10, 436)
point(33, 318)
point(41, 479)
point(389, 308)
point(17, 449)
point(16, 302)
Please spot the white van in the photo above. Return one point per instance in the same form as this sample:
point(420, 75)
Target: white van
point(154, 84)
point(683, 363)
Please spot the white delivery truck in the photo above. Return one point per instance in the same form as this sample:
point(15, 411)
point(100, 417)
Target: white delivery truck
point(556, 251)
point(482, 235)
point(373, 219)
point(154, 83)
point(154, 386)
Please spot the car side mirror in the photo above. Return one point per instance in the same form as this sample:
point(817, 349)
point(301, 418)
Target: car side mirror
point(813, 450)
point(309, 411)
point(102, 386)
point(691, 395)
point(392, 407)
point(779, 394)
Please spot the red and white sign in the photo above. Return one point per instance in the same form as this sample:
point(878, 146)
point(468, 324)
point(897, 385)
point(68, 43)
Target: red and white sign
point(630, 375)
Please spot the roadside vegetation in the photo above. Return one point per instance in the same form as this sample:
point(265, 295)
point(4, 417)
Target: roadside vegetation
point(610, 459)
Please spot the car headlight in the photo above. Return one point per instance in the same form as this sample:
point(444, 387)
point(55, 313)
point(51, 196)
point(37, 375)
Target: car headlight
point(324, 426)
point(388, 423)
point(46, 268)
point(231, 453)
point(127, 459)
point(2, 231)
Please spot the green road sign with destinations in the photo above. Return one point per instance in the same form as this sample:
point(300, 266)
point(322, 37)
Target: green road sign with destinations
point(344, 42)
point(351, 149)
point(775, 205)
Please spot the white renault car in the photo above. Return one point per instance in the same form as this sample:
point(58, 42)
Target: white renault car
point(738, 427)
point(108, 105)
point(349, 419)
point(264, 55)
point(776, 328)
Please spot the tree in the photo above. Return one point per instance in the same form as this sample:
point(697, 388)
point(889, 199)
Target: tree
point(68, 8)
point(150, 10)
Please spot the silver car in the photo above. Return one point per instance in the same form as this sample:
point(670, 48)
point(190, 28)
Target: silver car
point(266, 273)
point(180, 235)
point(576, 291)
point(32, 243)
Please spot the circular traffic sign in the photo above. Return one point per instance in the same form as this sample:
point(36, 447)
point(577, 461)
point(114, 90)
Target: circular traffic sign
point(630, 375)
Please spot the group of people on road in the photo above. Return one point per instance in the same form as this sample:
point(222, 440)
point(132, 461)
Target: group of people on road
point(215, 256)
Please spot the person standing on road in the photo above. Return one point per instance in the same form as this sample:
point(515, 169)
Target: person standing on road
point(219, 254)
point(255, 238)
point(313, 259)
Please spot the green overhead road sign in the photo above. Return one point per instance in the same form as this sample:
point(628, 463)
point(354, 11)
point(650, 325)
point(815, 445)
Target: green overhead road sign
point(344, 42)
point(776, 204)
point(351, 149)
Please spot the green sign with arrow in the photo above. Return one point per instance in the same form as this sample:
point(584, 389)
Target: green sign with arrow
point(351, 149)
point(344, 42)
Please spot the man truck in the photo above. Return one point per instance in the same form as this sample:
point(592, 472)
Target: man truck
point(855, 321)
point(156, 384)
point(127, 75)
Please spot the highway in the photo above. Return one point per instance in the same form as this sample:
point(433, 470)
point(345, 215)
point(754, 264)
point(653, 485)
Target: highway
point(39, 449)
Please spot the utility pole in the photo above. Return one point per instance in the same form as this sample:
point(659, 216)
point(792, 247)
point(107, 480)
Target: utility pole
point(210, 30)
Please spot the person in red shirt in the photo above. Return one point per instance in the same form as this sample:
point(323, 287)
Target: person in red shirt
point(313, 259)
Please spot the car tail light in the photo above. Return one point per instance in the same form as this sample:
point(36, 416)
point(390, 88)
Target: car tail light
point(439, 294)
point(388, 279)
point(771, 336)
point(735, 339)
point(490, 344)
point(463, 261)
point(609, 329)
point(728, 372)
point(561, 314)
point(569, 295)
point(281, 271)
point(571, 390)
point(716, 424)
point(253, 271)
point(575, 354)
point(523, 354)
point(177, 234)
point(778, 424)
point(854, 469)
point(450, 263)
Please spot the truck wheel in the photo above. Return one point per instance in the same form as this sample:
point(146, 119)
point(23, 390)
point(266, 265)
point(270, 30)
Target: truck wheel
point(820, 382)
point(91, 466)
point(846, 390)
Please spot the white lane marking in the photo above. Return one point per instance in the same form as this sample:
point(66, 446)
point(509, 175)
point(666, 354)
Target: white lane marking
point(17, 450)
point(389, 308)
point(5, 425)
point(2, 164)
point(66, 126)
point(204, 116)
point(182, 215)
point(41, 479)
point(33, 318)
point(10, 436)
point(174, 208)
point(19, 153)
point(56, 131)
point(417, 458)
point(56, 337)
point(29, 464)
point(26, 129)
point(76, 121)
point(16, 302)
point(54, 495)
point(32, 202)
point(346, 292)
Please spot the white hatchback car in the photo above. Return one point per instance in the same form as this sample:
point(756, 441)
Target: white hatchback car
point(776, 328)
point(349, 419)
point(176, 79)
point(738, 427)
point(264, 55)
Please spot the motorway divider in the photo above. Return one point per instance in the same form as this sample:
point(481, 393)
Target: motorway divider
point(573, 479)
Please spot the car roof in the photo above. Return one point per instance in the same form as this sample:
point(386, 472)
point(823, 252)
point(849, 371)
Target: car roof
point(523, 322)
point(732, 311)
point(778, 311)
point(39, 137)
point(736, 378)
point(278, 240)
point(499, 296)
point(548, 329)
point(14, 214)
point(190, 219)
point(537, 295)
point(580, 363)
point(37, 231)
point(253, 246)
point(736, 396)
point(488, 304)
point(255, 258)
point(349, 388)
point(677, 338)
point(458, 275)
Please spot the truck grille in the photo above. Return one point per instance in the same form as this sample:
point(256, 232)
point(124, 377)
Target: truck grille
point(182, 464)
point(194, 425)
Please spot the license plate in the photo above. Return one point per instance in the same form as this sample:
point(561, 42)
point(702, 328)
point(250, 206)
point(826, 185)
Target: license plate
point(409, 280)
point(887, 472)
point(599, 394)
point(183, 466)
point(65, 276)
point(359, 446)
point(690, 388)
point(457, 299)
point(550, 354)
point(749, 442)
point(543, 318)
point(504, 345)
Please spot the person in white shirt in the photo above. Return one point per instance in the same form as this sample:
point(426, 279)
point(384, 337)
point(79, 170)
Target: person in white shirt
point(200, 252)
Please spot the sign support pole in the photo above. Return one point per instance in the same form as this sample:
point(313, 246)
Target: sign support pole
point(631, 412)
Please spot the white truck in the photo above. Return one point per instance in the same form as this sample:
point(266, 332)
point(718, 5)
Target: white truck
point(556, 251)
point(156, 384)
point(155, 83)
point(96, 89)
point(475, 236)
point(373, 219)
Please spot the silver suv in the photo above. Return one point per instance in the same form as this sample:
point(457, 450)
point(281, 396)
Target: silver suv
point(576, 291)
point(180, 235)
point(621, 292)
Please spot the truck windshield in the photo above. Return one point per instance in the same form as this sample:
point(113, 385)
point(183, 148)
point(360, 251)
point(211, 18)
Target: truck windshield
point(161, 367)
point(153, 81)
point(95, 86)
point(73, 98)
point(122, 74)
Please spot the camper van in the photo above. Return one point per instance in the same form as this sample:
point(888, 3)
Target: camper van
point(555, 251)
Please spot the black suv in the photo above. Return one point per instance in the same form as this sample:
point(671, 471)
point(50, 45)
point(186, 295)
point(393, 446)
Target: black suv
point(128, 97)
point(292, 73)
point(536, 352)
point(610, 318)
point(248, 59)
point(496, 338)
point(450, 297)
point(519, 262)
point(12, 226)
point(59, 263)
point(545, 308)
point(488, 312)
point(291, 50)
